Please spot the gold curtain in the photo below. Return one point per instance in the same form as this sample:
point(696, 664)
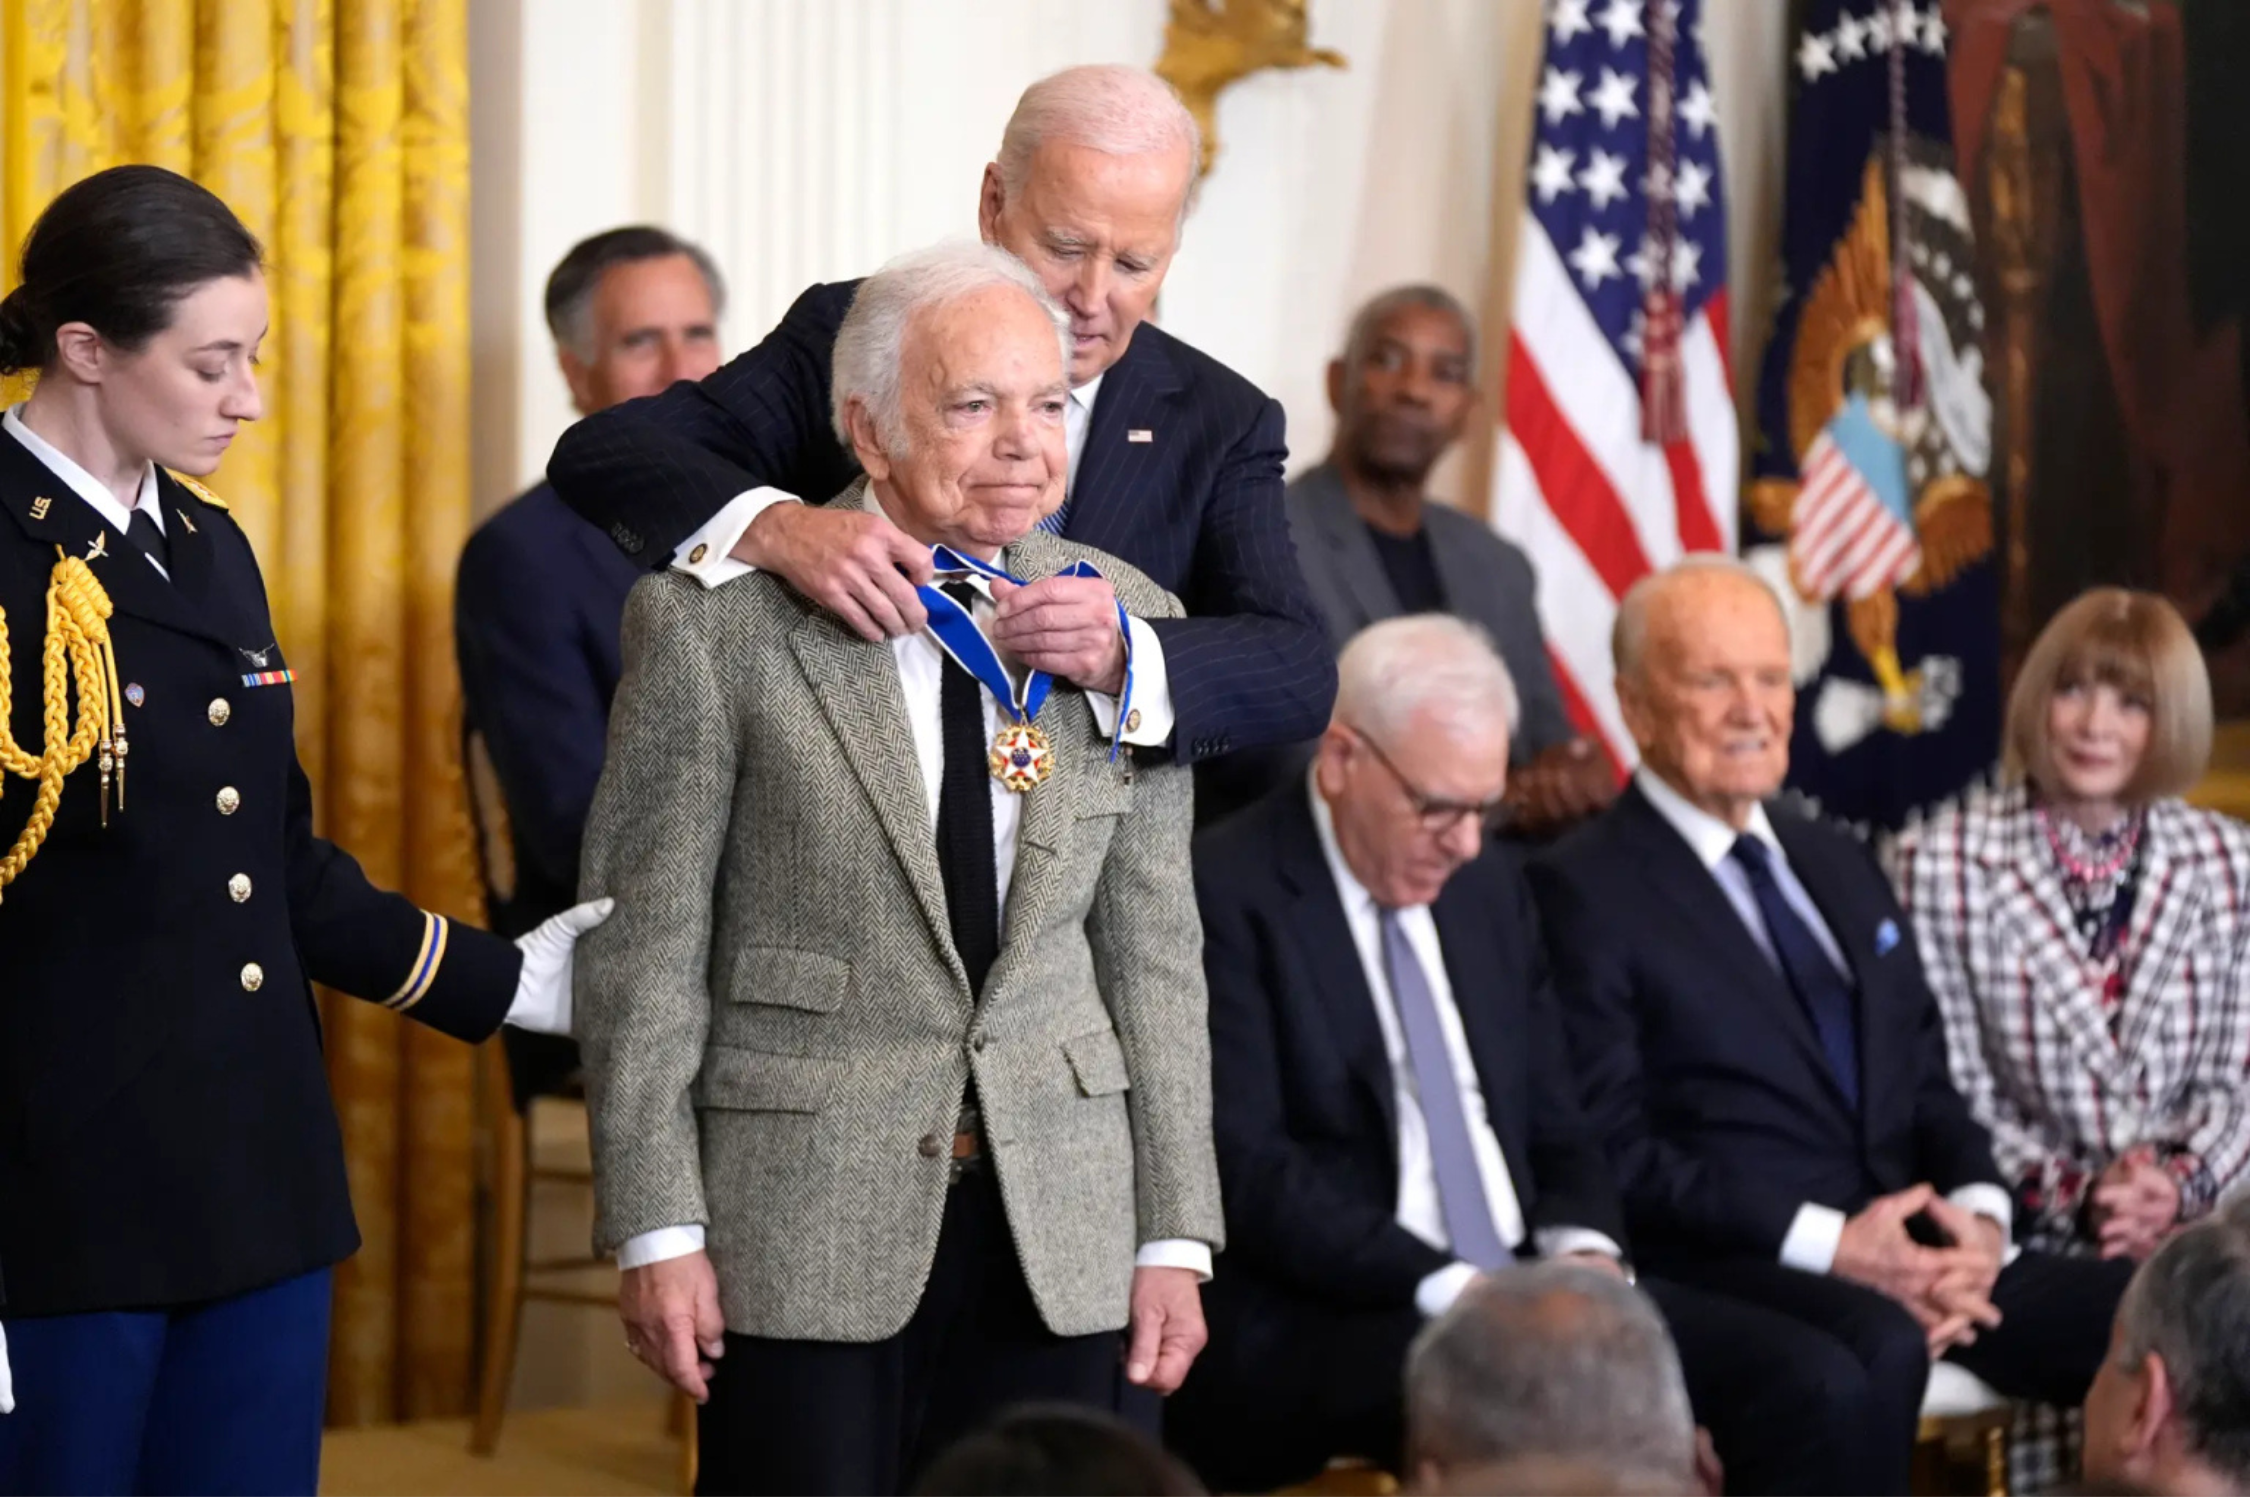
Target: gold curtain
point(338, 130)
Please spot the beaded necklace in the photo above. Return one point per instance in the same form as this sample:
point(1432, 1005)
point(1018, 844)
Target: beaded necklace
point(2100, 874)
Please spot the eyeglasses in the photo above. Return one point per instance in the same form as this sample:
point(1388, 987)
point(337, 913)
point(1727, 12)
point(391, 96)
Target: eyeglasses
point(1437, 817)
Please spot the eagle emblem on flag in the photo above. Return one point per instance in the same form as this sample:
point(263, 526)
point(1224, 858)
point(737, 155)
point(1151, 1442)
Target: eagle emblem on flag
point(1893, 441)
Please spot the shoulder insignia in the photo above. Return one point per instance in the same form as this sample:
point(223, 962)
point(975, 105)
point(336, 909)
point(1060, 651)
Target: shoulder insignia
point(200, 492)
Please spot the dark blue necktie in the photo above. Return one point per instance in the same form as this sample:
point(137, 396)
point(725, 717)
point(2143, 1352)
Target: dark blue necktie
point(1826, 995)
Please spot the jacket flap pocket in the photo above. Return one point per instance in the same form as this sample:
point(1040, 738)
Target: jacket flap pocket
point(782, 975)
point(1098, 1061)
point(753, 1081)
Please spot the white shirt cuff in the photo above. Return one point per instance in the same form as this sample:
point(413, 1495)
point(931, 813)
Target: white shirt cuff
point(1982, 1198)
point(1437, 1292)
point(708, 555)
point(1557, 1242)
point(1148, 723)
point(1176, 1252)
point(1813, 1239)
point(7, 1380)
point(656, 1246)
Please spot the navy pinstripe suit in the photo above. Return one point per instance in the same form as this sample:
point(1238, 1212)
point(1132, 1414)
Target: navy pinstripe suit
point(1196, 504)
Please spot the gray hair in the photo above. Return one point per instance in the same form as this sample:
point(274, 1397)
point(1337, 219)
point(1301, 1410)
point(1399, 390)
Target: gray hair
point(575, 278)
point(865, 364)
point(1379, 308)
point(1628, 634)
point(1112, 108)
point(2190, 1305)
point(1555, 1361)
point(1393, 671)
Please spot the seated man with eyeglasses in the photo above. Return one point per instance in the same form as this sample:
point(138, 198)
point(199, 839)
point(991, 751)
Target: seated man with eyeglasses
point(1394, 1109)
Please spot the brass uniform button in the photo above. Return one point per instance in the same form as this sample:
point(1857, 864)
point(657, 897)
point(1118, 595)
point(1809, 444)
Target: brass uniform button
point(238, 888)
point(1133, 721)
point(219, 712)
point(230, 800)
point(695, 557)
point(931, 1146)
point(253, 977)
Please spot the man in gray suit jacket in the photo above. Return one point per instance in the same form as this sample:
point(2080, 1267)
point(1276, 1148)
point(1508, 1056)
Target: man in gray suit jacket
point(1374, 547)
point(896, 1047)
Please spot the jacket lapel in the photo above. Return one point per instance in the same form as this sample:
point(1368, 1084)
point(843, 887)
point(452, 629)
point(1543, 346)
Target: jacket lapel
point(1323, 938)
point(1678, 878)
point(2167, 912)
point(857, 687)
point(1845, 918)
point(2029, 903)
point(1135, 395)
point(1491, 1010)
point(186, 542)
point(1345, 535)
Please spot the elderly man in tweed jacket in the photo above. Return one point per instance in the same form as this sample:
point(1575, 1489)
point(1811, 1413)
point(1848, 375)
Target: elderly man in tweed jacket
point(898, 1071)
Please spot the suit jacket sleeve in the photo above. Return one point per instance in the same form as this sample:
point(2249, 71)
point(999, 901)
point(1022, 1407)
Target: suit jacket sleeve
point(381, 947)
point(539, 706)
point(1669, 1193)
point(1572, 1184)
point(1953, 1147)
point(654, 844)
point(651, 472)
point(1144, 932)
point(1251, 666)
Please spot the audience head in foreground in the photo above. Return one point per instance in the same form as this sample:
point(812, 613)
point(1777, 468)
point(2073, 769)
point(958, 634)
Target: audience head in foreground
point(1555, 1372)
point(633, 310)
point(1094, 178)
point(2170, 1409)
point(1703, 680)
point(1056, 1450)
point(1415, 762)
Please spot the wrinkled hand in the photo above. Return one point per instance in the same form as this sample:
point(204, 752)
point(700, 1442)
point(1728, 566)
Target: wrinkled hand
point(1562, 786)
point(857, 565)
point(1876, 1251)
point(672, 1321)
point(1167, 1327)
point(2135, 1203)
point(543, 988)
point(1961, 1296)
point(1065, 626)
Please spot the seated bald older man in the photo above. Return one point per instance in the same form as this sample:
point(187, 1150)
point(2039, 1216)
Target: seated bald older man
point(1758, 1048)
point(896, 1049)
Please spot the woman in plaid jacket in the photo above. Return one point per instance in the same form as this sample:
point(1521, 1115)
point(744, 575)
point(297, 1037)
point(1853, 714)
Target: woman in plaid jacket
point(2087, 934)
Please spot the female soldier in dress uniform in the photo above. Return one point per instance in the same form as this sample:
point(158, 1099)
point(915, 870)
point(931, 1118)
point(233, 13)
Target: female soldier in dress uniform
point(172, 1190)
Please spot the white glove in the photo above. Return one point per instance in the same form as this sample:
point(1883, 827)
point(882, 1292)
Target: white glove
point(542, 1003)
point(7, 1383)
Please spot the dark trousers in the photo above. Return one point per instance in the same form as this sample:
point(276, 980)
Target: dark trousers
point(867, 1417)
point(224, 1397)
point(1292, 1385)
point(2054, 1331)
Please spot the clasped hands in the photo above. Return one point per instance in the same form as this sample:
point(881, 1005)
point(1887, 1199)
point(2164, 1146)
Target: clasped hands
point(863, 569)
point(1948, 1290)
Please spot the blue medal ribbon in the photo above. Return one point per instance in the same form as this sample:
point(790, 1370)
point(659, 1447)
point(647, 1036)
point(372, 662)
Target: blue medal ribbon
point(958, 635)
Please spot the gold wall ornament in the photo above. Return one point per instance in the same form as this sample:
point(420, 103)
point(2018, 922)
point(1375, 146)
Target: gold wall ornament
point(1211, 44)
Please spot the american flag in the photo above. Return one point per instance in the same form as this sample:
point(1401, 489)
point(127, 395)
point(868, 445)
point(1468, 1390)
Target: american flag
point(1579, 487)
point(1851, 533)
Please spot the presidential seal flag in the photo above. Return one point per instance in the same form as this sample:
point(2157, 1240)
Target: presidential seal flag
point(1620, 451)
point(1869, 507)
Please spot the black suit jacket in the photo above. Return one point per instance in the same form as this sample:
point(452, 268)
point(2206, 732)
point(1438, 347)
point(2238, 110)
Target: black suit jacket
point(1304, 1110)
point(166, 1132)
point(1700, 1067)
point(1194, 502)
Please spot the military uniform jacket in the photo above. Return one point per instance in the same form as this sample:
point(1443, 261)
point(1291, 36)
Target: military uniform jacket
point(166, 1130)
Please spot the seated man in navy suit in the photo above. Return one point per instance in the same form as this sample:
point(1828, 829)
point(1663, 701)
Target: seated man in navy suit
point(1759, 1051)
point(1393, 1108)
point(541, 595)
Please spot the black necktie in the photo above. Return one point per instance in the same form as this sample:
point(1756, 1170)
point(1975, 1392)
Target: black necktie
point(143, 532)
point(964, 819)
point(1826, 995)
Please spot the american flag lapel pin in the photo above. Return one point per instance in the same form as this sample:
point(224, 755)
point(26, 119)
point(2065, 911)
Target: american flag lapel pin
point(1140, 434)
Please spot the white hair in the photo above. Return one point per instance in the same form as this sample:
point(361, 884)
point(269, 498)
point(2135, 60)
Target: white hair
point(1109, 107)
point(865, 365)
point(1628, 635)
point(1397, 670)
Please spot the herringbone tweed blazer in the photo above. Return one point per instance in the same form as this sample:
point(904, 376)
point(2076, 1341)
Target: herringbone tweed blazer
point(776, 1026)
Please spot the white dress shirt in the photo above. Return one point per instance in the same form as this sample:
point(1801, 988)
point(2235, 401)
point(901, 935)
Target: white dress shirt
point(1420, 1210)
point(921, 675)
point(1814, 1233)
point(708, 557)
